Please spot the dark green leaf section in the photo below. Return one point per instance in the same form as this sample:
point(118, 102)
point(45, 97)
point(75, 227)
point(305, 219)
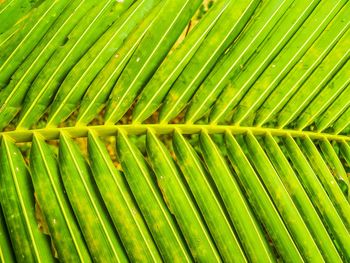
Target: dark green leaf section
point(196, 177)
point(156, 89)
point(327, 179)
point(54, 204)
point(153, 48)
point(244, 222)
point(259, 199)
point(261, 24)
point(233, 197)
point(99, 90)
point(318, 195)
point(96, 21)
point(77, 81)
point(124, 212)
point(218, 40)
point(94, 221)
point(17, 201)
point(148, 197)
point(298, 28)
point(300, 198)
point(15, 51)
point(282, 200)
point(182, 205)
point(13, 95)
point(13, 11)
point(6, 252)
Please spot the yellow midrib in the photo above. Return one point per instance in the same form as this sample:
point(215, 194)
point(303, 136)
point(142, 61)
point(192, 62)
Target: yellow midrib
point(110, 130)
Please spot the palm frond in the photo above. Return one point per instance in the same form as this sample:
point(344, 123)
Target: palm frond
point(176, 131)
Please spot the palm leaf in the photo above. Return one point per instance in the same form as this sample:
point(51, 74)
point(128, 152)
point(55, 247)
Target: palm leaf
point(176, 131)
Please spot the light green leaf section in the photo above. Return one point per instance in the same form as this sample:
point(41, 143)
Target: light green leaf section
point(95, 224)
point(17, 201)
point(300, 199)
point(244, 222)
point(218, 40)
point(262, 204)
point(263, 22)
point(158, 218)
point(211, 208)
point(319, 197)
point(54, 204)
point(152, 49)
point(156, 89)
point(121, 206)
point(182, 205)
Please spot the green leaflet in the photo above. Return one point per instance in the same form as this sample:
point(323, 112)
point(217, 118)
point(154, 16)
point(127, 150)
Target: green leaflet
point(156, 89)
point(319, 197)
point(152, 49)
point(338, 56)
point(218, 181)
point(54, 204)
point(247, 228)
point(79, 78)
point(323, 110)
point(303, 69)
point(243, 78)
point(79, 40)
point(286, 59)
point(330, 118)
point(268, 14)
point(261, 202)
point(208, 202)
point(345, 152)
point(300, 199)
point(93, 219)
point(7, 36)
point(6, 251)
point(342, 124)
point(327, 179)
point(17, 201)
point(334, 163)
point(12, 96)
point(218, 40)
point(100, 88)
point(158, 218)
point(182, 205)
point(124, 212)
point(282, 200)
point(13, 10)
point(15, 51)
